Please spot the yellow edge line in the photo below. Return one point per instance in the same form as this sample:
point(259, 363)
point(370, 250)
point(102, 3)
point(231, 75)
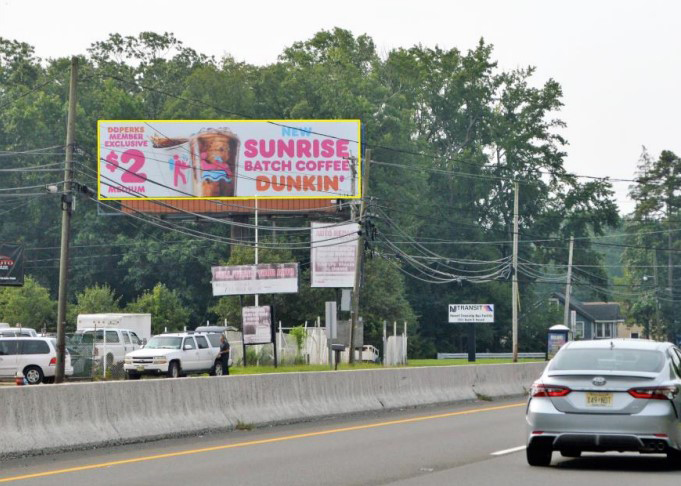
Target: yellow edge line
point(254, 442)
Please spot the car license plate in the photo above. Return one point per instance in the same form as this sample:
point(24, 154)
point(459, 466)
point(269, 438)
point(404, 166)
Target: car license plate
point(599, 399)
point(140, 368)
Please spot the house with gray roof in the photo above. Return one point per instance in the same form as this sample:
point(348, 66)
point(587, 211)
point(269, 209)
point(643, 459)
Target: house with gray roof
point(595, 320)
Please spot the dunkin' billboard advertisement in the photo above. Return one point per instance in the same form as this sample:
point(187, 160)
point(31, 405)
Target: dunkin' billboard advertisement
point(229, 159)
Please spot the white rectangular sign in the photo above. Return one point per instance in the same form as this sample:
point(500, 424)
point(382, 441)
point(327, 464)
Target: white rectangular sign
point(265, 278)
point(471, 313)
point(257, 325)
point(334, 254)
point(228, 159)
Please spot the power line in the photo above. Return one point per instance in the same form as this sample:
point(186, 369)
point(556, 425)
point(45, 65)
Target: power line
point(216, 220)
point(17, 98)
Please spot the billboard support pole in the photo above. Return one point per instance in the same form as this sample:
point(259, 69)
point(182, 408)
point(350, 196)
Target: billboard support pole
point(514, 290)
point(256, 242)
point(274, 333)
point(66, 207)
point(360, 255)
point(243, 331)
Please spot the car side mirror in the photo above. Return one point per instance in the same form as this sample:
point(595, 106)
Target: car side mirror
point(187, 347)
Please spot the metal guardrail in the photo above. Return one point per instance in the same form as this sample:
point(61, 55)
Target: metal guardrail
point(490, 355)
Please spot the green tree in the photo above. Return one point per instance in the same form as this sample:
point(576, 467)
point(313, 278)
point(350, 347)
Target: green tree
point(30, 306)
point(94, 300)
point(653, 251)
point(166, 309)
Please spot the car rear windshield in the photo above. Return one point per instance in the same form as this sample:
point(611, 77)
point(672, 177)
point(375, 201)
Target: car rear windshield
point(164, 342)
point(608, 360)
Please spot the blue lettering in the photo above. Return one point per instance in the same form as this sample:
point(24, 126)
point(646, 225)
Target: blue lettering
point(296, 132)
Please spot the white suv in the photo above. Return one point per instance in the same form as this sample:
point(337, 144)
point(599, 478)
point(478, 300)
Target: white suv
point(174, 355)
point(35, 357)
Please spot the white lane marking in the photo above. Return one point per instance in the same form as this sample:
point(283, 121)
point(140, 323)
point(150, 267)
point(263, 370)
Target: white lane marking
point(508, 451)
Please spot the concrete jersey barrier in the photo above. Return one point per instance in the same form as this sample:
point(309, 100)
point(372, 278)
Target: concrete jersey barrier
point(49, 418)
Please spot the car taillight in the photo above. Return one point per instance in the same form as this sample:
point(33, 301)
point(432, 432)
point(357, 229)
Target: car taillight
point(541, 390)
point(53, 362)
point(655, 392)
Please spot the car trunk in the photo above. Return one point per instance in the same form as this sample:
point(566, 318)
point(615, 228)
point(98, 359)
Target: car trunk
point(610, 397)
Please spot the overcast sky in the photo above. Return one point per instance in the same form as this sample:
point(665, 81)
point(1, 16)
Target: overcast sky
point(618, 61)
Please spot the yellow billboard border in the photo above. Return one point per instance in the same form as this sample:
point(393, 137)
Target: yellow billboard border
point(232, 198)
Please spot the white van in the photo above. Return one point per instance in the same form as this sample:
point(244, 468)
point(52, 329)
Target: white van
point(109, 342)
point(35, 357)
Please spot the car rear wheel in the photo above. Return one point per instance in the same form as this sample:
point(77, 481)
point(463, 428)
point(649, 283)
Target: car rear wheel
point(34, 375)
point(174, 370)
point(538, 454)
point(217, 368)
point(570, 453)
point(674, 457)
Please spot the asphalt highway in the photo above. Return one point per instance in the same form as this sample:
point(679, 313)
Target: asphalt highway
point(477, 443)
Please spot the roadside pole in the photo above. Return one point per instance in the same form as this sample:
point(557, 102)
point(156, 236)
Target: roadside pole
point(514, 292)
point(256, 243)
point(568, 288)
point(243, 330)
point(471, 342)
point(273, 326)
point(359, 260)
point(66, 206)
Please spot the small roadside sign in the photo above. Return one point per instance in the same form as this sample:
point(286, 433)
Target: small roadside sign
point(471, 313)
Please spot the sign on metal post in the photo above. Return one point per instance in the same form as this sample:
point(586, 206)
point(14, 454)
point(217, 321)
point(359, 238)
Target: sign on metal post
point(475, 313)
point(331, 321)
point(346, 299)
point(264, 278)
point(11, 265)
point(471, 314)
point(333, 259)
point(257, 325)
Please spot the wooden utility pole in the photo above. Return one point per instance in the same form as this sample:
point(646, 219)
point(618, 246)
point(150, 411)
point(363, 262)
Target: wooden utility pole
point(359, 260)
point(670, 279)
point(568, 286)
point(66, 206)
point(657, 297)
point(514, 293)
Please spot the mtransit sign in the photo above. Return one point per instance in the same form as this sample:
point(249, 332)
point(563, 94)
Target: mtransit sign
point(228, 159)
point(471, 313)
point(11, 265)
point(257, 325)
point(334, 254)
point(265, 278)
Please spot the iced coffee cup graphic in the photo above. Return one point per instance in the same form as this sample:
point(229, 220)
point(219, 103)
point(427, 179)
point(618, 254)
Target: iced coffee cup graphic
point(214, 154)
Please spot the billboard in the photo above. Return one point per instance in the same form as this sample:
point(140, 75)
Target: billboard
point(265, 278)
point(257, 324)
point(228, 159)
point(11, 265)
point(471, 313)
point(334, 254)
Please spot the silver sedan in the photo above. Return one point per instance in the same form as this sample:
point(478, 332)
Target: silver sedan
point(607, 395)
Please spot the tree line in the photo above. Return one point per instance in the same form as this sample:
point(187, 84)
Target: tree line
point(450, 133)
